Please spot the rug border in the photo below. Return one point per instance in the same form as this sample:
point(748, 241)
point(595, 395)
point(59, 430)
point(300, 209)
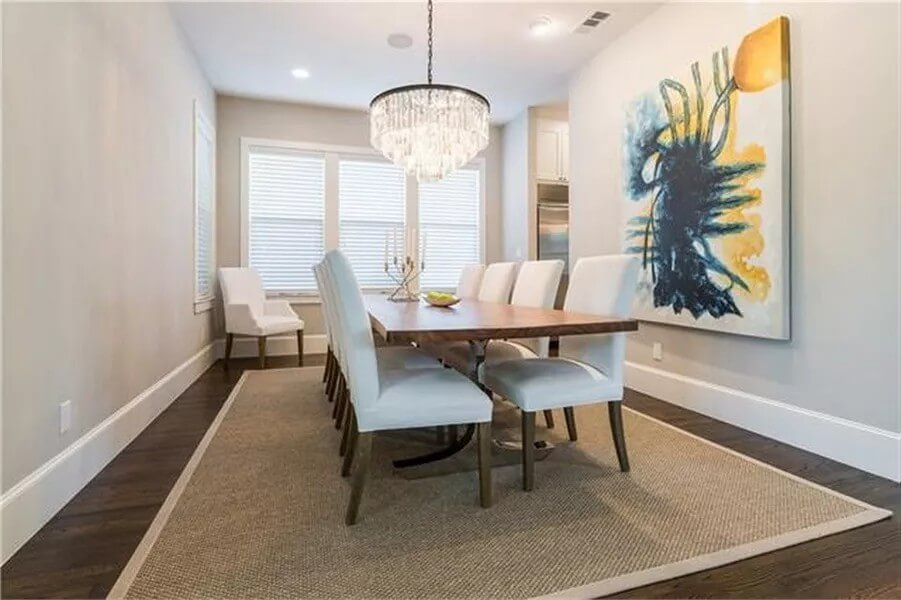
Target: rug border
point(611, 585)
point(703, 562)
point(130, 572)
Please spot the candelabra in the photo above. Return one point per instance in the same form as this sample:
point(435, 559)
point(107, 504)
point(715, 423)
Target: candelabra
point(404, 272)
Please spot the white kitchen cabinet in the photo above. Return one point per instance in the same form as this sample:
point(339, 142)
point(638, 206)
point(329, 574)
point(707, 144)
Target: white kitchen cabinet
point(552, 151)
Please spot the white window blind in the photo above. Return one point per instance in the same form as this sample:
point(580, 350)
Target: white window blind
point(204, 212)
point(286, 211)
point(450, 227)
point(371, 203)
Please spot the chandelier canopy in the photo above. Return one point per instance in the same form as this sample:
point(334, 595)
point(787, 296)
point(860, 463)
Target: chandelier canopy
point(429, 129)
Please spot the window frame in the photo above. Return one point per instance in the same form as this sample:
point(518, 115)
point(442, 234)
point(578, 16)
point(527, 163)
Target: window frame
point(203, 127)
point(333, 153)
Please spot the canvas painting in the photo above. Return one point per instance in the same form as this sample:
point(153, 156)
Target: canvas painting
point(707, 172)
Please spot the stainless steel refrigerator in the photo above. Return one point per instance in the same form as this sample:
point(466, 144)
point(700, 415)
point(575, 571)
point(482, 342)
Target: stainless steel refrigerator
point(553, 229)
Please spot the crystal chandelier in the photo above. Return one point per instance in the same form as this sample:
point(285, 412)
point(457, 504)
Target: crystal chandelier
point(429, 129)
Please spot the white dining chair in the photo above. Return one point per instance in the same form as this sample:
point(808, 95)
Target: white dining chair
point(536, 286)
point(497, 282)
point(389, 357)
point(249, 313)
point(589, 368)
point(333, 376)
point(388, 399)
point(470, 281)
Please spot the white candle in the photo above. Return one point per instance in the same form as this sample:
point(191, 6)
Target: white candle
point(425, 245)
point(386, 249)
point(395, 242)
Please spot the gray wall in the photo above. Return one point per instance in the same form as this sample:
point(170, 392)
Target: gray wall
point(843, 358)
point(97, 216)
point(516, 192)
point(243, 117)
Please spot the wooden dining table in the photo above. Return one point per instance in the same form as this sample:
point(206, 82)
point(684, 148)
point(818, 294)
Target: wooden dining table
point(477, 323)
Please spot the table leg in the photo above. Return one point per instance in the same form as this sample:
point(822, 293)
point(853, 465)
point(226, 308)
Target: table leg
point(476, 358)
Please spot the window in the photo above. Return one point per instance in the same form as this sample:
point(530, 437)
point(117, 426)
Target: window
point(300, 200)
point(371, 206)
point(204, 212)
point(286, 216)
point(450, 227)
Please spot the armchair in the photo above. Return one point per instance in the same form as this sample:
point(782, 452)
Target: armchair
point(248, 312)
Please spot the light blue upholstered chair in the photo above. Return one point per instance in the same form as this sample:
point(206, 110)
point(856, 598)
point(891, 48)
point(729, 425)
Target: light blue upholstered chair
point(589, 368)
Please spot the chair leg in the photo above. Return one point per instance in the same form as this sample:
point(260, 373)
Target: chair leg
point(615, 410)
point(549, 419)
point(338, 391)
point(229, 340)
point(570, 414)
point(343, 403)
point(332, 382)
point(345, 431)
point(452, 433)
point(351, 444)
point(528, 450)
point(484, 434)
point(300, 347)
point(261, 344)
point(327, 371)
point(361, 470)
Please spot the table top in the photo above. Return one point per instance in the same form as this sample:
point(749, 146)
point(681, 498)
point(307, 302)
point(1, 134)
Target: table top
point(474, 320)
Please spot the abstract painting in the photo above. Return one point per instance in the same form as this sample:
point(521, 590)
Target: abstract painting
point(707, 172)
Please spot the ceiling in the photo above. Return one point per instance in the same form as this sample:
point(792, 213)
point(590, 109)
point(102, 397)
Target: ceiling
point(249, 49)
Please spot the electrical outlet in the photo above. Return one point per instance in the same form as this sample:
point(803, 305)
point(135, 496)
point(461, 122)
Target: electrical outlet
point(657, 352)
point(65, 416)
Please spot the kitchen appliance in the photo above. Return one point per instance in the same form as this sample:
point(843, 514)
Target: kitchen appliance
point(553, 230)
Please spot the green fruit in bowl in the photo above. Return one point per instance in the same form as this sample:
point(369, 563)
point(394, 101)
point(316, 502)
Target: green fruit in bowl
point(442, 298)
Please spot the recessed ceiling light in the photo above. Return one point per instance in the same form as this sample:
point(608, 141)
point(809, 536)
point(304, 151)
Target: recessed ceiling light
point(400, 40)
point(541, 27)
point(300, 73)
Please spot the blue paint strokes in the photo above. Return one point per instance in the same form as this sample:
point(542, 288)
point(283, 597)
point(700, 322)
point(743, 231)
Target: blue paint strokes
point(644, 125)
point(671, 164)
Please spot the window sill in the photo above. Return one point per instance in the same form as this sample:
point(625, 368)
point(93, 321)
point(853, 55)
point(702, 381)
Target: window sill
point(310, 299)
point(202, 306)
point(315, 299)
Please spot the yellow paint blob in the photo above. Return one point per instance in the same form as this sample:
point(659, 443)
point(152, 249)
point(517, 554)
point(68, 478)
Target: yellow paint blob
point(739, 249)
point(762, 57)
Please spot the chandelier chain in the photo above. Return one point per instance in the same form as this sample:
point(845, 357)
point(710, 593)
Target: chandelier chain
point(430, 43)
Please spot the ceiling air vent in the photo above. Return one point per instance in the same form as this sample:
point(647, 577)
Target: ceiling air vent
point(591, 21)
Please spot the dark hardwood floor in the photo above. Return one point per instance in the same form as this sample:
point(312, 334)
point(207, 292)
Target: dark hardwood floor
point(81, 551)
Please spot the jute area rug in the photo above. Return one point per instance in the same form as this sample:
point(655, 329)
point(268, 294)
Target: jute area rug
point(258, 511)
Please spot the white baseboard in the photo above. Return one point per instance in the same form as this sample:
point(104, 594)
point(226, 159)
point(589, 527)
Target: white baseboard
point(870, 449)
point(281, 345)
point(29, 504)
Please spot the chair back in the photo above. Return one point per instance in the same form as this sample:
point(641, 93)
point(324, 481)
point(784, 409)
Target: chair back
point(353, 327)
point(497, 282)
point(330, 311)
point(241, 285)
point(470, 281)
point(326, 303)
point(536, 286)
point(601, 285)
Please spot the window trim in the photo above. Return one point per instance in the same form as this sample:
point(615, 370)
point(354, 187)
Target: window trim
point(331, 219)
point(204, 127)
